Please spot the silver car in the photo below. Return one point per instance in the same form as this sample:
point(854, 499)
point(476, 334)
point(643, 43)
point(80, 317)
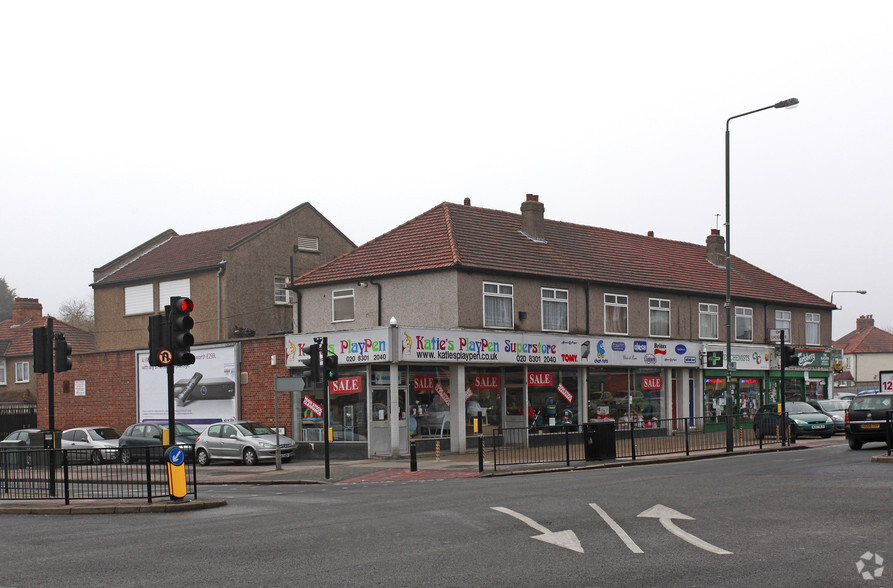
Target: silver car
point(246, 441)
point(98, 444)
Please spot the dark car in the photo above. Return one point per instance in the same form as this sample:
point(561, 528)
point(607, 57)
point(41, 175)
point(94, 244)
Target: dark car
point(866, 419)
point(801, 417)
point(836, 409)
point(23, 440)
point(138, 436)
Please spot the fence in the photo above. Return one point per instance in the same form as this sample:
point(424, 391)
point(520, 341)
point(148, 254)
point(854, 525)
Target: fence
point(519, 446)
point(72, 474)
point(17, 416)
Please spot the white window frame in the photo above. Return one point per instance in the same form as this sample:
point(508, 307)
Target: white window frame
point(708, 312)
point(783, 321)
point(617, 303)
point(281, 294)
point(308, 243)
point(172, 288)
point(341, 298)
point(657, 307)
point(3, 372)
point(556, 299)
point(498, 294)
point(23, 372)
point(139, 300)
point(813, 328)
point(743, 313)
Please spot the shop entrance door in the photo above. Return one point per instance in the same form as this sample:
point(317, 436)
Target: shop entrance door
point(380, 424)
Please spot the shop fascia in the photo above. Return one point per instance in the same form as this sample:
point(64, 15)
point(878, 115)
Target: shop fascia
point(420, 345)
point(745, 357)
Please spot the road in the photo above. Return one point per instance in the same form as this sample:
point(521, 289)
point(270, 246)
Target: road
point(796, 518)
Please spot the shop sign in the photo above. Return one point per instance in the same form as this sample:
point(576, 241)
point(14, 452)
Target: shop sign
point(423, 383)
point(652, 383)
point(352, 385)
point(485, 382)
point(539, 378)
point(813, 358)
point(468, 393)
point(565, 392)
point(312, 406)
point(438, 389)
point(743, 358)
point(351, 347)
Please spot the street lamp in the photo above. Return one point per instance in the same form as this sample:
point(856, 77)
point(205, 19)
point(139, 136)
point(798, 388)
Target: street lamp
point(789, 103)
point(843, 291)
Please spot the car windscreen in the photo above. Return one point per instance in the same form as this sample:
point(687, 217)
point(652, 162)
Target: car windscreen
point(833, 404)
point(254, 429)
point(870, 402)
point(104, 434)
point(799, 408)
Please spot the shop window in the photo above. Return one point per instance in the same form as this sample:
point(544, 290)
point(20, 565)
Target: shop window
point(553, 397)
point(708, 320)
point(743, 323)
point(554, 309)
point(498, 305)
point(23, 372)
point(342, 305)
point(429, 402)
point(812, 328)
point(632, 395)
point(347, 419)
point(783, 321)
point(616, 314)
point(483, 391)
point(658, 317)
point(281, 293)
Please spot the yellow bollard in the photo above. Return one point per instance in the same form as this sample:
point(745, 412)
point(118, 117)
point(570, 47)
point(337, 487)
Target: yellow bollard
point(437, 450)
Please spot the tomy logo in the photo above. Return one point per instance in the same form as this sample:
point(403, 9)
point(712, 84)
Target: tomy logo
point(640, 346)
point(681, 349)
point(618, 345)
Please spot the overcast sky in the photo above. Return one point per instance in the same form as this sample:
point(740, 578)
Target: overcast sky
point(115, 114)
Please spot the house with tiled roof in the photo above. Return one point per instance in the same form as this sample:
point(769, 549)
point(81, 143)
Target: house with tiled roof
point(520, 315)
point(17, 378)
point(236, 277)
point(866, 351)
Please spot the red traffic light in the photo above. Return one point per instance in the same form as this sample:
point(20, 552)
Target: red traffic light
point(183, 304)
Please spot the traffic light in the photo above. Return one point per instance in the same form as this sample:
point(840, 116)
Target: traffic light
point(159, 338)
point(40, 350)
point(331, 367)
point(789, 356)
point(312, 363)
point(63, 353)
point(180, 324)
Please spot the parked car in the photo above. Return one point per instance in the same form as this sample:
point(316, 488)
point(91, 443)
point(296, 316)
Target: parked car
point(23, 440)
point(138, 436)
point(98, 444)
point(866, 419)
point(836, 409)
point(246, 441)
point(801, 417)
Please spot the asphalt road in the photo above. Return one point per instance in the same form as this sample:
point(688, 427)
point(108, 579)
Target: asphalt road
point(797, 518)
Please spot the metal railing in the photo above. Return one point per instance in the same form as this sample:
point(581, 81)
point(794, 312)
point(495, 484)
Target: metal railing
point(627, 440)
point(77, 474)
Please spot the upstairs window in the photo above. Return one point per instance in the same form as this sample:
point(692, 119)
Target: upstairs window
point(616, 314)
point(2, 371)
point(708, 320)
point(23, 372)
point(342, 305)
point(554, 309)
point(783, 321)
point(281, 294)
point(498, 305)
point(138, 300)
point(812, 328)
point(743, 323)
point(167, 290)
point(658, 317)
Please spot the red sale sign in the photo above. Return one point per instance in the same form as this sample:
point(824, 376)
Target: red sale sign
point(652, 383)
point(442, 393)
point(485, 382)
point(565, 392)
point(346, 385)
point(422, 383)
point(314, 407)
point(539, 378)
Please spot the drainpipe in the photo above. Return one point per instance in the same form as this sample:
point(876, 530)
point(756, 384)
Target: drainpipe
point(587, 308)
point(296, 318)
point(377, 285)
point(219, 302)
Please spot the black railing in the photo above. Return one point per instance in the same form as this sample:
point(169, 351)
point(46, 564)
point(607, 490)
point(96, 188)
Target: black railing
point(77, 474)
point(889, 432)
point(631, 440)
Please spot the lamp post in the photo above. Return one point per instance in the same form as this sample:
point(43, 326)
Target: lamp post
point(730, 409)
point(845, 291)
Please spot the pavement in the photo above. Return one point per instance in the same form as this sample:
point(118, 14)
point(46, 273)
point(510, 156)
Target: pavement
point(429, 467)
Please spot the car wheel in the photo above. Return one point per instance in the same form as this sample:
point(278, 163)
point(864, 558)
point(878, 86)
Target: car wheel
point(202, 457)
point(126, 457)
point(854, 443)
point(249, 457)
point(96, 457)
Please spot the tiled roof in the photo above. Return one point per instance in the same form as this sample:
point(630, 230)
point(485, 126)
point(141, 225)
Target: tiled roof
point(182, 253)
point(19, 338)
point(461, 236)
point(868, 340)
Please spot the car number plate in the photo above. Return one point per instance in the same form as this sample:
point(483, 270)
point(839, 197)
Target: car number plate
point(818, 426)
point(871, 426)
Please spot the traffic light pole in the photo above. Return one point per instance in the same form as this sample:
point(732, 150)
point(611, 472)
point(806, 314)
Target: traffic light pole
point(51, 409)
point(784, 360)
point(171, 419)
point(325, 391)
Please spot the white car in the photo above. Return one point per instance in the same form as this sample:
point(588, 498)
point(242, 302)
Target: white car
point(96, 444)
point(246, 441)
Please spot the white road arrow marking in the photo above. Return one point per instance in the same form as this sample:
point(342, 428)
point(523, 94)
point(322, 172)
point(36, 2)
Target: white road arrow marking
point(617, 529)
point(566, 539)
point(666, 515)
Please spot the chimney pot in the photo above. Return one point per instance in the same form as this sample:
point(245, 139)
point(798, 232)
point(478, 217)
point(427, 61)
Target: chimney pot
point(716, 248)
point(532, 211)
point(467, 201)
point(650, 233)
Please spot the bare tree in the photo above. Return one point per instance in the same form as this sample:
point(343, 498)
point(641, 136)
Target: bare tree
point(77, 312)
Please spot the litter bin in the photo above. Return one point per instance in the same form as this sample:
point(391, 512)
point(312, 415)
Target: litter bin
point(600, 441)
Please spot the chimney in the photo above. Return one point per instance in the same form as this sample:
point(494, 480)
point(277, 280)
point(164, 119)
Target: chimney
point(716, 248)
point(24, 309)
point(650, 233)
point(865, 321)
point(467, 201)
point(532, 217)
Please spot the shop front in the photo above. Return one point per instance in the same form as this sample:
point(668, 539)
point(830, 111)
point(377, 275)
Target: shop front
point(809, 380)
point(749, 383)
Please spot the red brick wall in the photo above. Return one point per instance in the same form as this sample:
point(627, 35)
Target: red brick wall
point(110, 379)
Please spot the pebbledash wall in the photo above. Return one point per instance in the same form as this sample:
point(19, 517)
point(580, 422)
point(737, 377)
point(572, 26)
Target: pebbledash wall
point(102, 388)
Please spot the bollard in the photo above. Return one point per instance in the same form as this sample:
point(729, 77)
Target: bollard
point(437, 450)
point(413, 463)
point(480, 453)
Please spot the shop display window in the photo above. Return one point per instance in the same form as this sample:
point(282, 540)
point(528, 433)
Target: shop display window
point(347, 418)
point(626, 395)
point(553, 396)
point(429, 398)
